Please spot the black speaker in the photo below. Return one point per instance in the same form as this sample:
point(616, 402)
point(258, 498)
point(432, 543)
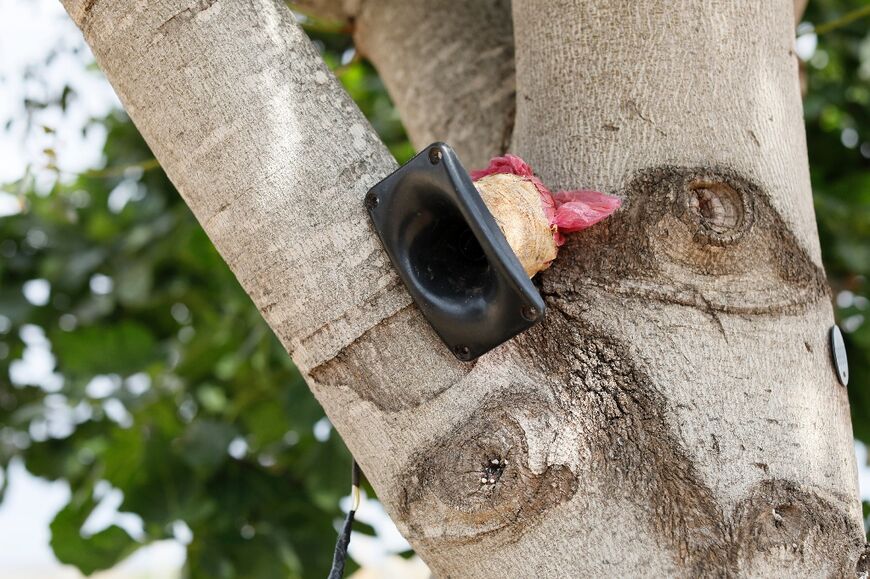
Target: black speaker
point(451, 255)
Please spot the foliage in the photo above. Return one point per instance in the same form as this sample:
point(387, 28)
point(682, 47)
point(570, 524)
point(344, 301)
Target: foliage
point(837, 111)
point(170, 387)
point(185, 366)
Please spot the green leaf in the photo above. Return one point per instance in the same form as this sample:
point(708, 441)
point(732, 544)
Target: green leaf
point(101, 550)
point(125, 348)
point(204, 445)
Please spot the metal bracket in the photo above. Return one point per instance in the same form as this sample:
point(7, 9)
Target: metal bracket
point(451, 254)
point(838, 354)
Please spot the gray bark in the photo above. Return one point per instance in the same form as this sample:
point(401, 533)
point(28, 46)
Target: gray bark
point(448, 66)
point(708, 284)
point(675, 414)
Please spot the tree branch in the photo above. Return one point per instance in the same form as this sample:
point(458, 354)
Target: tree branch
point(449, 68)
point(447, 65)
point(274, 159)
point(698, 313)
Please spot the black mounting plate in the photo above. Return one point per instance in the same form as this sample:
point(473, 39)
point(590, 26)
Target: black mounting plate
point(451, 254)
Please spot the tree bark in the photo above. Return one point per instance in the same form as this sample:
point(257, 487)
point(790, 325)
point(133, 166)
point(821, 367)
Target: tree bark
point(448, 67)
point(725, 424)
point(675, 414)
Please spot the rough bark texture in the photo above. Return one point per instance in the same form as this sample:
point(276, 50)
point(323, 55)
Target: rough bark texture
point(449, 68)
point(675, 414)
point(725, 430)
point(447, 65)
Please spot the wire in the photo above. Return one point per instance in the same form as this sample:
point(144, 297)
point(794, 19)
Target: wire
point(340, 556)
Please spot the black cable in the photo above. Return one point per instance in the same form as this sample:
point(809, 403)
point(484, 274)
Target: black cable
point(340, 555)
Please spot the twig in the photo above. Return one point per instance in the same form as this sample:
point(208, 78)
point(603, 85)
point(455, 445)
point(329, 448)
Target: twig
point(843, 20)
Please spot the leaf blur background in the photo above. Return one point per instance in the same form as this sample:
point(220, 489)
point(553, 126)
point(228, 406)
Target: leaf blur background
point(165, 384)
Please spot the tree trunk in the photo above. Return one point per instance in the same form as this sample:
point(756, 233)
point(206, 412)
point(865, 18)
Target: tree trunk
point(675, 414)
point(449, 67)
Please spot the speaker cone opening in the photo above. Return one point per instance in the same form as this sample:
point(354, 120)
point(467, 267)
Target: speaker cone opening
point(447, 259)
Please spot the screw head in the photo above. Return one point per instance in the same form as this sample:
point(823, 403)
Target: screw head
point(838, 352)
point(462, 352)
point(434, 155)
point(371, 200)
point(530, 313)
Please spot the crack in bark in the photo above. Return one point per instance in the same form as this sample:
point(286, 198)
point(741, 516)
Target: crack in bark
point(82, 13)
point(634, 108)
point(328, 326)
point(508, 129)
point(184, 16)
point(633, 453)
point(87, 7)
point(388, 387)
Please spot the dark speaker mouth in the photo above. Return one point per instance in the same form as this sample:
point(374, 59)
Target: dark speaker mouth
point(448, 260)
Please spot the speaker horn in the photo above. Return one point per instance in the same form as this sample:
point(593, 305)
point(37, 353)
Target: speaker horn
point(451, 254)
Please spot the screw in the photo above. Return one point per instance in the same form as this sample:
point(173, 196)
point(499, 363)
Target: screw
point(434, 156)
point(371, 200)
point(530, 313)
point(462, 352)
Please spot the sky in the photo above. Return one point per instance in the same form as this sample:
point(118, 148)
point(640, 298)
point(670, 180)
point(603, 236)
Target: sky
point(29, 31)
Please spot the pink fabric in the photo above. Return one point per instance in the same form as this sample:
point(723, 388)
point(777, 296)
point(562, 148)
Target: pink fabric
point(577, 210)
point(567, 211)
